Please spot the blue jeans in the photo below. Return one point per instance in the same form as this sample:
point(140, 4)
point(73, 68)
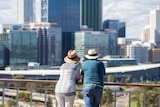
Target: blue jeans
point(92, 95)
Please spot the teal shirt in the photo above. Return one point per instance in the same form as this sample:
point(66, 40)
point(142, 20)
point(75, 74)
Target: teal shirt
point(93, 72)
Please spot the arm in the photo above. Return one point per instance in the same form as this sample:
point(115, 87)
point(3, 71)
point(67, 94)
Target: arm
point(82, 77)
point(78, 74)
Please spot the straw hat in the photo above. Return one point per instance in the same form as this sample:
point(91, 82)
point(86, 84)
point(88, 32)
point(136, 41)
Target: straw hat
point(92, 54)
point(72, 57)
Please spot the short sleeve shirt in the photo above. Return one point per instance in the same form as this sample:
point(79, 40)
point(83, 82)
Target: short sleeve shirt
point(93, 72)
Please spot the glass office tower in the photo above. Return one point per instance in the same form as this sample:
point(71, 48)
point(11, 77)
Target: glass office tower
point(91, 14)
point(66, 13)
point(26, 11)
point(120, 27)
point(20, 47)
point(23, 47)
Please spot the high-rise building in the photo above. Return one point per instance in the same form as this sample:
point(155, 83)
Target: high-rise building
point(91, 14)
point(26, 11)
point(49, 44)
point(103, 42)
point(67, 14)
point(43, 40)
point(154, 55)
point(120, 27)
point(20, 47)
point(64, 12)
point(138, 51)
point(146, 33)
point(155, 26)
point(70, 16)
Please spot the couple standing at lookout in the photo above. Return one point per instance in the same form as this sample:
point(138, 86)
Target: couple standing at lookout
point(91, 74)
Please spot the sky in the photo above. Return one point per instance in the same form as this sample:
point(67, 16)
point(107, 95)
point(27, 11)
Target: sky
point(134, 12)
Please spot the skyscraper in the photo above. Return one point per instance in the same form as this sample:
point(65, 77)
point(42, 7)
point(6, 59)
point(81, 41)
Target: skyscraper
point(120, 27)
point(155, 26)
point(70, 15)
point(91, 14)
point(26, 11)
point(66, 13)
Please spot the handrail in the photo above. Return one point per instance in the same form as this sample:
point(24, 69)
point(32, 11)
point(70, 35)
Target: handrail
point(105, 83)
point(115, 100)
point(133, 84)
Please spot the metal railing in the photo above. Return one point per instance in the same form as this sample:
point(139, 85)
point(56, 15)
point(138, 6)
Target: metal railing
point(39, 96)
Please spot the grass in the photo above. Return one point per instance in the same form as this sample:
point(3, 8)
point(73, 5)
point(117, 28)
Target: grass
point(134, 104)
point(2, 106)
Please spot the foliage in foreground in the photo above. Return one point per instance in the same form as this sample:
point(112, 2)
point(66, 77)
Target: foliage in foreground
point(148, 93)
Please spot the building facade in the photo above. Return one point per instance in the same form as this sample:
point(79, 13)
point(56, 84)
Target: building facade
point(34, 42)
point(4, 49)
point(67, 14)
point(19, 47)
point(49, 44)
point(120, 27)
point(23, 47)
point(64, 12)
point(103, 42)
point(154, 55)
point(138, 51)
point(155, 26)
point(26, 11)
point(49, 40)
point(146, 34)
point(91, 14)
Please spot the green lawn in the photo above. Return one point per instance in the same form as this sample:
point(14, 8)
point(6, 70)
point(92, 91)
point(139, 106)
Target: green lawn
point(134, 104)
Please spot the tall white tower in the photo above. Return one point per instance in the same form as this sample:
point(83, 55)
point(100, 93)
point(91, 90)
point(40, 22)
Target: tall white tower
point(26, 11)
point(155, 25)
point(146, 34)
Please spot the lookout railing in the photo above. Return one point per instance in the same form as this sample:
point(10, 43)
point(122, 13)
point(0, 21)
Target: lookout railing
point(40, 93)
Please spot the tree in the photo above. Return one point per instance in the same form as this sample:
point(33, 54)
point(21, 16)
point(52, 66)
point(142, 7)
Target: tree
point(128, 80)
point(21, 85)
point(24, 96)
point(49, 102)
point(11, 103)
point(107, 97)
point(111, 78)
point(151, 98)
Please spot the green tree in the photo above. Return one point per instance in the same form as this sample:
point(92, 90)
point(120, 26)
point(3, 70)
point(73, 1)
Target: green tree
point(151, 98)
point(111, 78)
point(122, 80)
point(19, 77)
point(49, 102)
point(24, 96)
point(128, 80)
point(21, 85)
point(11, 103)
point(107, 97)
point(79, 95)
point(31, 86)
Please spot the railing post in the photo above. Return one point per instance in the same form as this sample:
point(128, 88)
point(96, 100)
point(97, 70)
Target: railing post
point(129, 99)
point(17, 97)
point(45, 98)
point(144, 100)
point(56, 101)
point(115, 99)
point(31, 97)
point(3, 93)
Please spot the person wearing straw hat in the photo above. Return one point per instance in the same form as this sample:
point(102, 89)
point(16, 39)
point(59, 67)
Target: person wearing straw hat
point(92, 77)
point(65, 89)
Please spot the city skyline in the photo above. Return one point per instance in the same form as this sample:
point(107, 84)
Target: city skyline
point(134, 13)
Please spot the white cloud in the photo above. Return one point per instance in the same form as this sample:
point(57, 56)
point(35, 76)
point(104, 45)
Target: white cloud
point(8, 10)
point(134, 12)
